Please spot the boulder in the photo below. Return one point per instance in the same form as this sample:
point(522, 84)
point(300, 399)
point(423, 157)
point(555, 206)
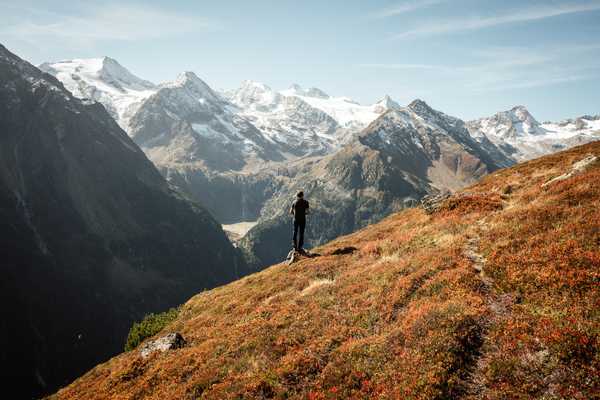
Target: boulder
point(432, 203)
point(168, 342)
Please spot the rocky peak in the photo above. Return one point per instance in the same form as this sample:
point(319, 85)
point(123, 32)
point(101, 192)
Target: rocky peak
point(196, 86)
point(316, 92)
point(522, 114)
point(420, 107)
point(111, 71)
point(386, 103)
point(255, 95)
point(297, 90)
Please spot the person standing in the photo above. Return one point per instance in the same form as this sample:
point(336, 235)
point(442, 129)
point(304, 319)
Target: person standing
point(299, 210)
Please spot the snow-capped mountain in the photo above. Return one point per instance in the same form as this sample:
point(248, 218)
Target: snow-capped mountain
point(185, 123)
point(586, 125)
point(401, 156)
point(234, 151)
point(103, 80)
point(288, 120)
point(308, 120)
point(347, 112)
point(255, 96)
point(520, 136)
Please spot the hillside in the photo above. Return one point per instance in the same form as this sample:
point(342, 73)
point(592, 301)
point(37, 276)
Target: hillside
point(93, 237)
point(494, 295)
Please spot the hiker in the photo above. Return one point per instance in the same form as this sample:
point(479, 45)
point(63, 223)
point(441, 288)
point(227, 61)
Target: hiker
point(299, 210)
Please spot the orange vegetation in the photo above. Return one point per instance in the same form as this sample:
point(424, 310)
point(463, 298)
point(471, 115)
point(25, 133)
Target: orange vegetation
point(409, 314)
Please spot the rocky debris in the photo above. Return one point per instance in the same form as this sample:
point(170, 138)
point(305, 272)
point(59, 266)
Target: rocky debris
point(171, 341)
point(343, 250)
point(577, 168)
point(506, 190)
point(295, 255)
point(433, 202)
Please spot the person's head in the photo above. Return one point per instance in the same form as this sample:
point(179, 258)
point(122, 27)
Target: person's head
point(300, 194)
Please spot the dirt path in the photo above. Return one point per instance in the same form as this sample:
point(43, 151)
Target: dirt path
point(498, 306)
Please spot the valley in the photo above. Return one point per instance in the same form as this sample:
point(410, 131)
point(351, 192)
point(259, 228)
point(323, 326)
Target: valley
point(124, 197)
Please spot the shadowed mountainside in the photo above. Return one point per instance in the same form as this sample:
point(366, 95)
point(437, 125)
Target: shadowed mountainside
point(92, 236)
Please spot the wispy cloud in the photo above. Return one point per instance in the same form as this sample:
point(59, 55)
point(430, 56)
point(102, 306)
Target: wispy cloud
point(405, 7)
point(493, 59)
point(402, 66)
point(107, 22)
point(473, 23)
point(505, 68)
point(531, 83)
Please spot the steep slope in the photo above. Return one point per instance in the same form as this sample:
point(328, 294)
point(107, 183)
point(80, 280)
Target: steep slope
point(103, 80)
point(493, 296)
point(92, 236)
point(521, 137)
point(400, 157)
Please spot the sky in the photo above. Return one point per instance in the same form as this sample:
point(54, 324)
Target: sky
point(468, 58)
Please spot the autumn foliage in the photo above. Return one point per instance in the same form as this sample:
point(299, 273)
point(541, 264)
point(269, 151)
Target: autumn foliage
point(407, 315)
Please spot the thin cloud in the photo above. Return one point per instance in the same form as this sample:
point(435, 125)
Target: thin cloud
point(533, 83)
point(474, 23)
point(411, 66)
point(499, 59)
point(110, 22)
point(405, 7)
point(506, 68)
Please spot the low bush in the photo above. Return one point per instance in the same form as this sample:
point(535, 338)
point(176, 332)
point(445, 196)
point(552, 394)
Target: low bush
point(149, 326)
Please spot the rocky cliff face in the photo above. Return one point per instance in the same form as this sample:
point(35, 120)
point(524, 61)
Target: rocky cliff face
point(92, 236)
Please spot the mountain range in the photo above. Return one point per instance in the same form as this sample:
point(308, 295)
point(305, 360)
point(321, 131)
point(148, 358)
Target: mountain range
point(243, 153)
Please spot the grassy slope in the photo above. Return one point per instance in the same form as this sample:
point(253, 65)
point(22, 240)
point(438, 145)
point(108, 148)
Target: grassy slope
point(407, 315)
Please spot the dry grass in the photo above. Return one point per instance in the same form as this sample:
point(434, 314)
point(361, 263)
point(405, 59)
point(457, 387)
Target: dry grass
point(406, 315)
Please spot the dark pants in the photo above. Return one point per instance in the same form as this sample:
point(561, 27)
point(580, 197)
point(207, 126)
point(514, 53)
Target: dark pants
point(299, 225)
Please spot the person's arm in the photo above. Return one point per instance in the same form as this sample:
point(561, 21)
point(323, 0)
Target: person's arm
point(307, 208)
point(292, 209)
